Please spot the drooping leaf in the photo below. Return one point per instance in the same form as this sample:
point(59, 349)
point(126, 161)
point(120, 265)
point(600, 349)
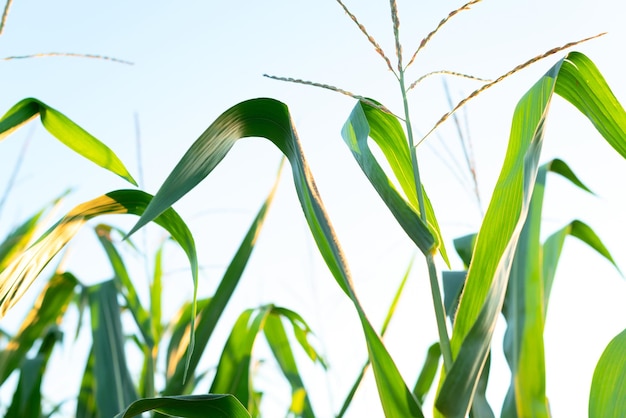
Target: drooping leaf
point(21, 273)
point(66, 131)
point(367, 121)
point(114, 388)
point(189, 406)
point(578, 81)
point(49, 308)
point(270, 119)
point(211, 313)
point(607, 398)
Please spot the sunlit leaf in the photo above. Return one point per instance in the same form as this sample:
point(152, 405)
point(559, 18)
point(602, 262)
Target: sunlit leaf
point(270, 119)
point(49, 308)
point(527, 298)
point(367, 121)
point(608, 387)
point(21, 273)
point(209, 315)
point(485, 286)
point(66, 131)
point(190, 406)
point(27, 396)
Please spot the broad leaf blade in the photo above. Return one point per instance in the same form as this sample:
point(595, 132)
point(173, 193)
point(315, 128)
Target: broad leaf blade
point(576, 79)
point(608, 386)
point(48, 310)
point(114, 387)
point(66, 131)
point(191, 406)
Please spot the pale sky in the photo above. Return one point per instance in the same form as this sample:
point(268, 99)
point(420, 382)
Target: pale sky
point(193, 60)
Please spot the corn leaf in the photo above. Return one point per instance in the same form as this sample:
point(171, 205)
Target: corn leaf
point(47, 312)
point(27, 396)
point(276, 336)
point(367, 121)
point(233, 370)
point(527, 298)
point(66, 131)
point(607, 398)
point(577, 80)
point(21, 273)
point(428, 373)
point(190, 406)
point(270, 119)
point(211, 313)
point(86, 402)
point(125, 285)
point(114, 388)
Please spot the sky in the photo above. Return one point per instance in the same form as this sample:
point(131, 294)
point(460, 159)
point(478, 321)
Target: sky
point(193, 60)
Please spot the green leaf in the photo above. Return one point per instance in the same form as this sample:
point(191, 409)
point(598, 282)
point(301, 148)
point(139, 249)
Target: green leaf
point(27, 396)
point(281, 348)
point(367, 121)
point(86, 402)
point(607, 398)
point(191, 406)
point(66, 131)
point(527, 299)
point(49, 308)
point(270, 119)
point(233, 369)
point(113, 386)
point(577, 80)
point(427, 374)
point(21, 273)
point(211, 313)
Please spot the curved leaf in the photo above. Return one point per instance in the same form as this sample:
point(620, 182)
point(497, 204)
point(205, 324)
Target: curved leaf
point(21, 273)
point(190, 406)
point(368, 121)
point(270, 119)
point(608, 387)
point(66, 131)
point(578, 81)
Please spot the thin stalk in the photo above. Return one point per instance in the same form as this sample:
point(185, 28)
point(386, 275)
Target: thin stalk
point(440, 310)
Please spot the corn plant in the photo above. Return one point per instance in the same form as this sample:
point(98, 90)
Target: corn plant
point(507, 268)
point(465, 349)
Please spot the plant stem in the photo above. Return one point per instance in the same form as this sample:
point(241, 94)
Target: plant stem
point(440, 310)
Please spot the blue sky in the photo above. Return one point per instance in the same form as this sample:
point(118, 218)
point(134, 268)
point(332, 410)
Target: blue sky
point(193, 60)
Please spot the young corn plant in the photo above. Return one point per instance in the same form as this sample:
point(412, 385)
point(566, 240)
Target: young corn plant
point(498, 253)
